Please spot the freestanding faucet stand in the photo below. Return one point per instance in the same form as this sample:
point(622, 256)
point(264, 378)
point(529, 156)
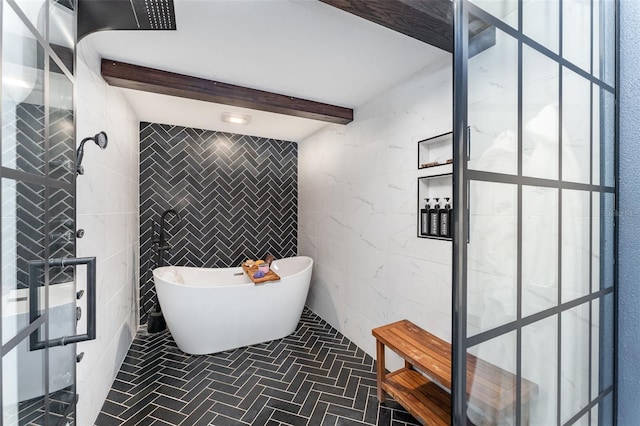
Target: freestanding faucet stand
point(155, 319)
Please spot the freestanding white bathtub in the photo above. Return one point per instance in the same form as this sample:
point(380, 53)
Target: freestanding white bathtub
point(214, 310)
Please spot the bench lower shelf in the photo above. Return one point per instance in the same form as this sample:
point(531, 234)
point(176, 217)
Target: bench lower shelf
point(424, 399)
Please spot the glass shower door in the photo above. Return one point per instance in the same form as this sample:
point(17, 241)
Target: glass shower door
point(534, 246)
point(39, 289)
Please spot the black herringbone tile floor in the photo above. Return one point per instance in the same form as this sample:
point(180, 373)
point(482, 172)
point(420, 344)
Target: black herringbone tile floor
point(313, 377)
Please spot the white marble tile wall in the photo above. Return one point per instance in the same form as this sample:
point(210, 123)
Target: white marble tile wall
point(358, 214)
point(107, 208)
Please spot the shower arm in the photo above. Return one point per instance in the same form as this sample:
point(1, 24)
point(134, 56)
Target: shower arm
point(80, 153)
point(100, 139)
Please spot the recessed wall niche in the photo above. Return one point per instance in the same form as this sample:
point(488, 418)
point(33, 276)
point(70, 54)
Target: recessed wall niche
point(435, 186)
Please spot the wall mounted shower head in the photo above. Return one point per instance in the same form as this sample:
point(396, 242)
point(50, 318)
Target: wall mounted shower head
point(100, 139)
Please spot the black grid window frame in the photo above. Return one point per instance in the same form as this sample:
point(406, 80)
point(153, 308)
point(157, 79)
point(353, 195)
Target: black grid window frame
point(48, 183)
point(462, 177)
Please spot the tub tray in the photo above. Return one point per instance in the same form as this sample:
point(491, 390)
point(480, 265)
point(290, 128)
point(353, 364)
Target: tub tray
point(269, 276)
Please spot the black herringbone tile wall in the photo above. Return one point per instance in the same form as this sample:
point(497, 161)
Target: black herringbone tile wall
point(313, 377)
point(237, 196)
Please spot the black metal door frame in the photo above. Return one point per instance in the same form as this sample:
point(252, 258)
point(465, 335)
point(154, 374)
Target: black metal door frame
point(462, 176)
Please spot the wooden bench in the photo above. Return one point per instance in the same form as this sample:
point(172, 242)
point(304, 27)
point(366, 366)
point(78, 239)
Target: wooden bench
point(490, 388)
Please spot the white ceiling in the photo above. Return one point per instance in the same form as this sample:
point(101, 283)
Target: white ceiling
point(300, 48)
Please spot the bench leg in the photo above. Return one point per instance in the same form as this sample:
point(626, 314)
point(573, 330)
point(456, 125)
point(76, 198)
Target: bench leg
point(380, 369)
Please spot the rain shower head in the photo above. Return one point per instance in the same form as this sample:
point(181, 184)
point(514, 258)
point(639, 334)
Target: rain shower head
point(100, 139)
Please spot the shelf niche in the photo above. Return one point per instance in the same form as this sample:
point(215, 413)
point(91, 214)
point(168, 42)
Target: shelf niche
point(436, 153)
point(434, 175)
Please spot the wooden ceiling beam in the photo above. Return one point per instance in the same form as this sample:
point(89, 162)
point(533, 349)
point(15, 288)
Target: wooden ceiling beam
point(428, 21)
point(129, 76)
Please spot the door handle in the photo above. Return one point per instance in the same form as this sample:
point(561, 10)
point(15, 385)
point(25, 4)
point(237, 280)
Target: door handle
point(34, 266)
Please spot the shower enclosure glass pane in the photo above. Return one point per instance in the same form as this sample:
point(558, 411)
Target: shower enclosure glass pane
point(505, 10)
point(540, 115)
point(23, 386)
point(576, 136)
point(595, 348)
point(583, 421)
point(596, 216)
point(607, 241)
point(607, 138)
point(492, 256)
point(602, 254)
point(534, 257)
point(539, 365)
point(541, 22)
point(61, 125)
point(605, 360)
point(575, 244)
point(539, 249)
point(595, 136)
point(605, 21)
point(23, 239)
point(62, 322)
point(38, 215)
point(35, 13)
point(22, 96)
point(594, 416)
point(482, 361)
point(62, 241)
point(576, 32)
point(62, 31)
point(493, 107)
point(574, 379)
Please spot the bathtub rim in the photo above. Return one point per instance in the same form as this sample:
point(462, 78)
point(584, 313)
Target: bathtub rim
point(238, 268)
point(60, 294)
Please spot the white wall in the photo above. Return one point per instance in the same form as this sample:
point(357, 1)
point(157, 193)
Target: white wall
point(107, 208)
point(358, 214)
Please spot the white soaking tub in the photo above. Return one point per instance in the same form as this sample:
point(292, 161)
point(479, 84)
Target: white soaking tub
point(213, 310)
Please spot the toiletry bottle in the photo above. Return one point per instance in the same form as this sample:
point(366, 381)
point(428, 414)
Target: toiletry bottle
point(445, 217)
point(424, 219)
point(434, 219)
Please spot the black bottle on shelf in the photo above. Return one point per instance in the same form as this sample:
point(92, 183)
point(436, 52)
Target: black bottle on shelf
point(445, 220)
point(434, 219)
point(424, 219)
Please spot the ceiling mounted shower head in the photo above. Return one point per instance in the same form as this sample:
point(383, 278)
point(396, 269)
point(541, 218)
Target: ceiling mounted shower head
point(100, 139)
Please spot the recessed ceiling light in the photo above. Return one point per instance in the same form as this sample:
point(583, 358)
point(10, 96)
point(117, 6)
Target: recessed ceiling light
point(236, 118)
